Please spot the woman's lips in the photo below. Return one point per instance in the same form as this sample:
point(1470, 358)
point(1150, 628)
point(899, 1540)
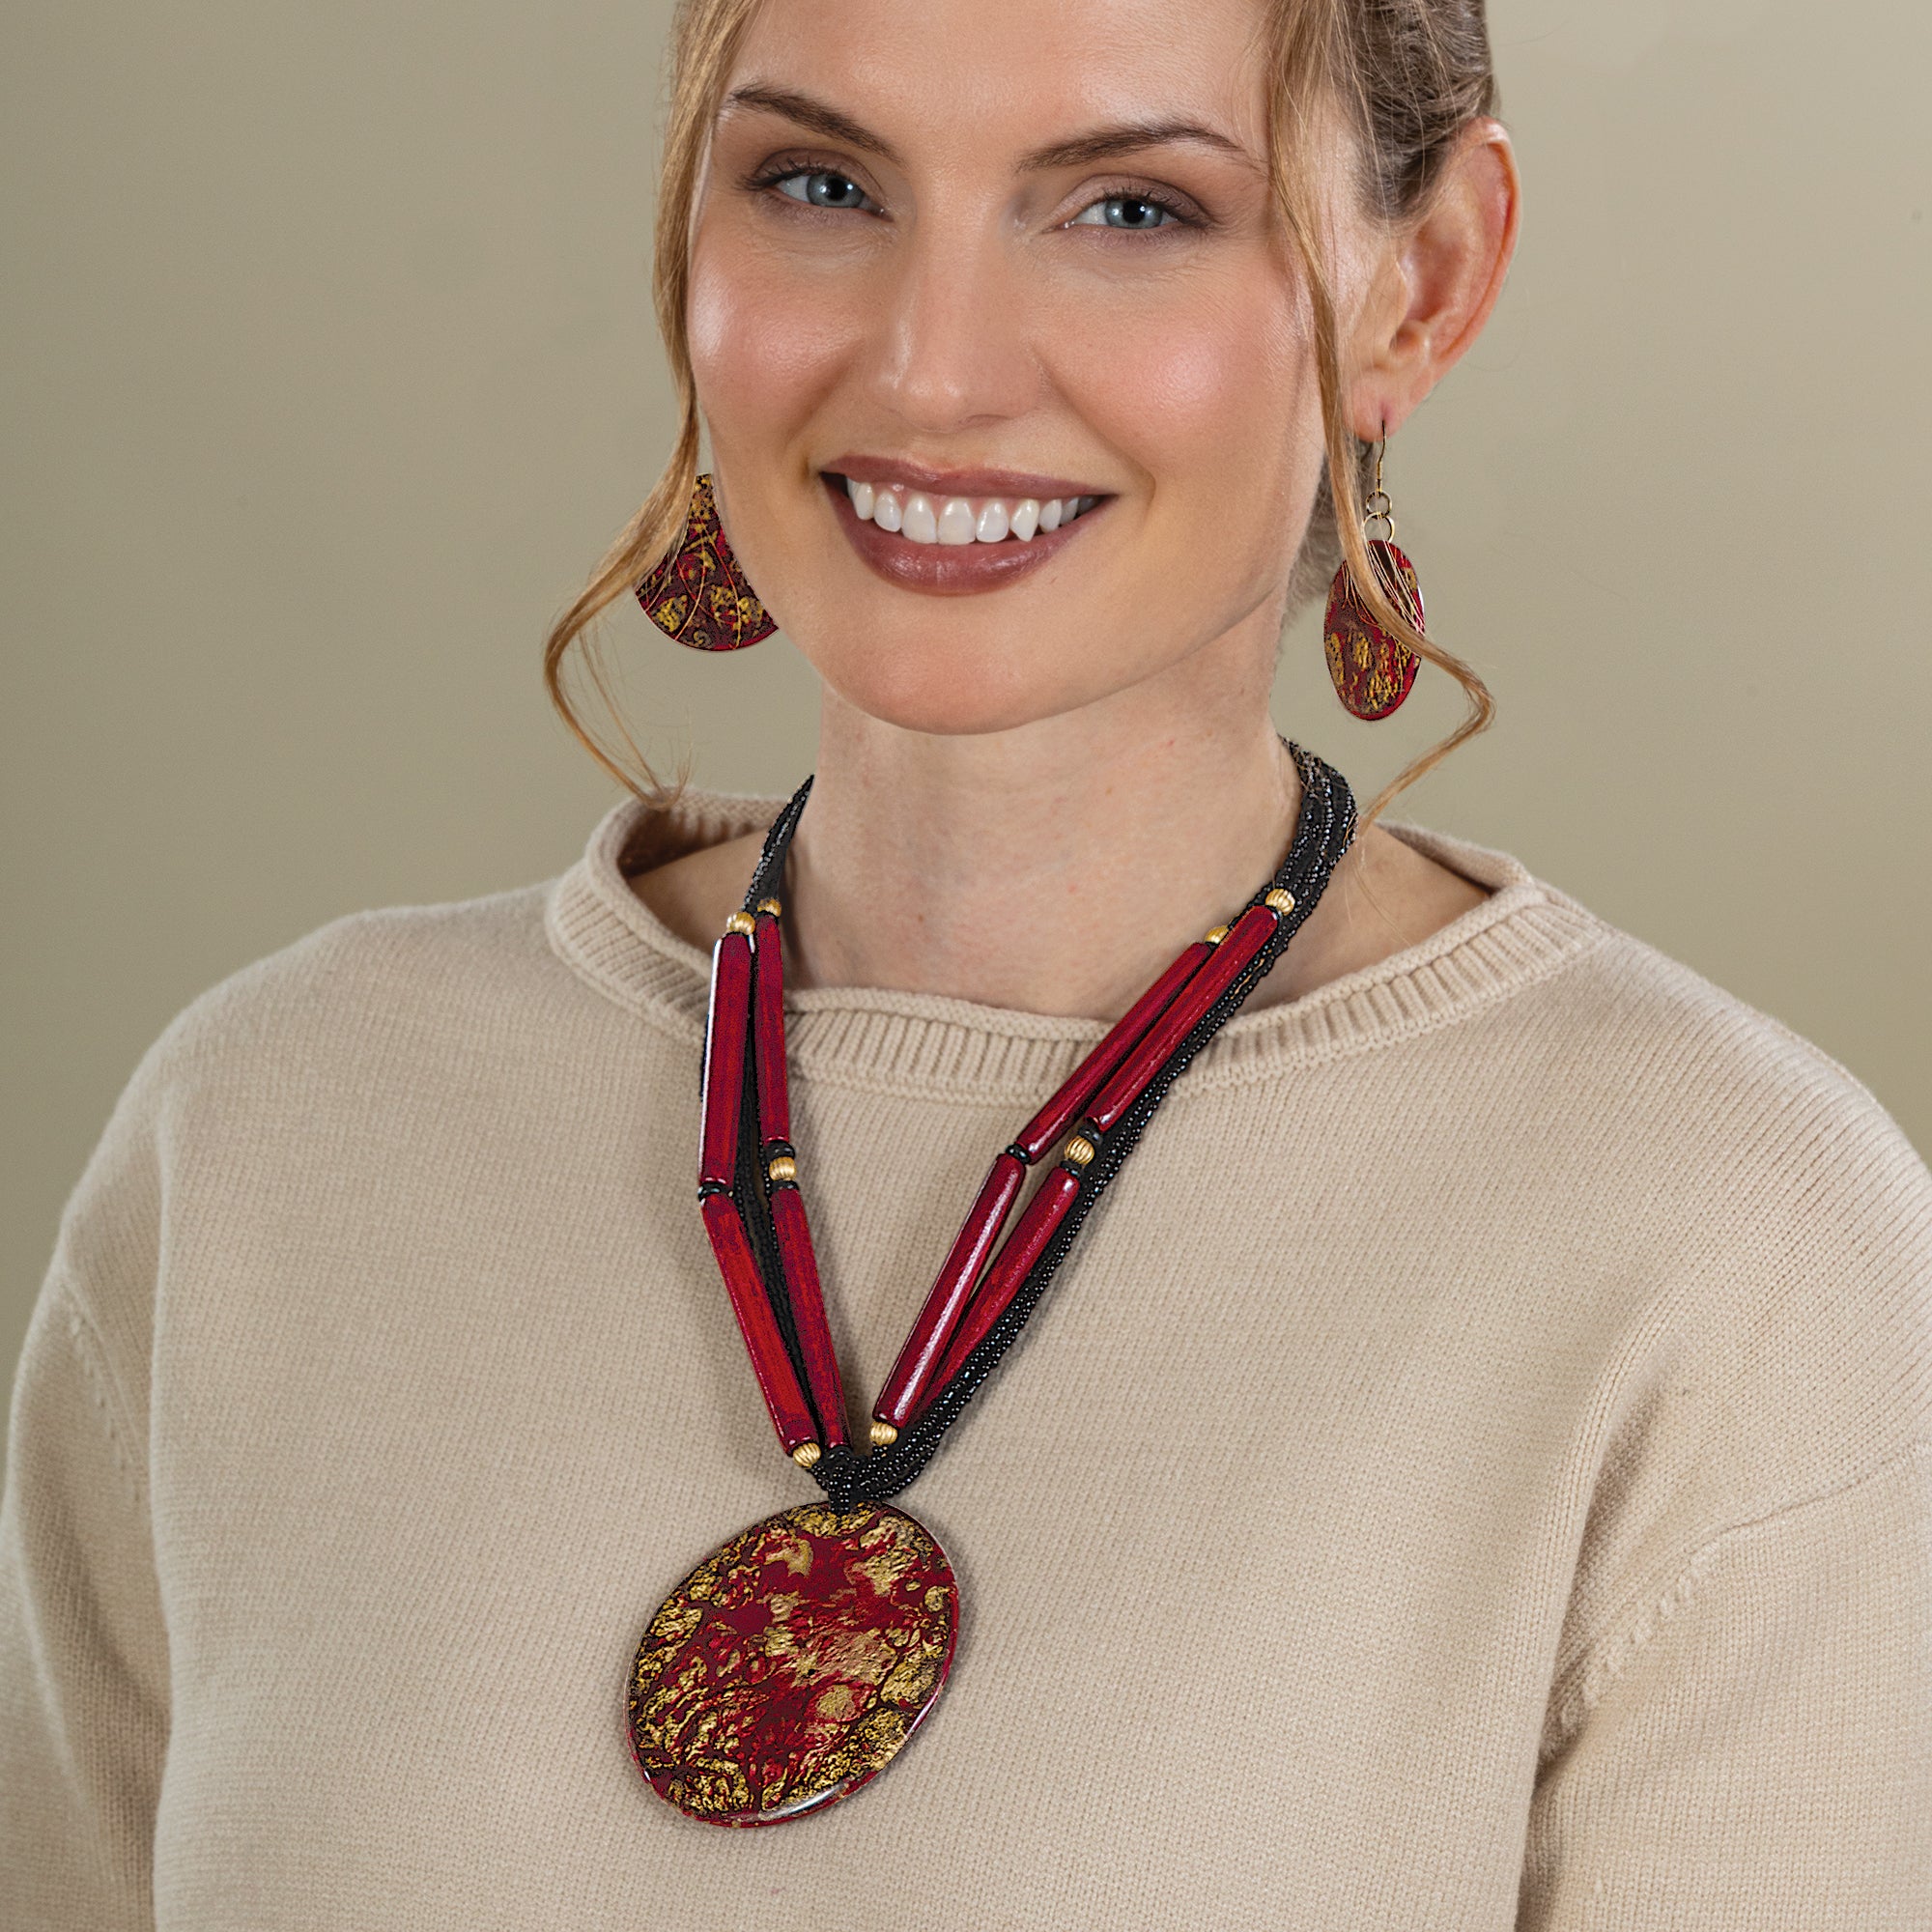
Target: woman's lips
point(948, 570)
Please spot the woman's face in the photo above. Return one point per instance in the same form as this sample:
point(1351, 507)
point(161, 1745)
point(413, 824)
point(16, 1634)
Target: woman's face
point(892, 268)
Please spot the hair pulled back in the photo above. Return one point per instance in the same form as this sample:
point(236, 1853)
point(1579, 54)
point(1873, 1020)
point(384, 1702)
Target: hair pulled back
point(1409, 74)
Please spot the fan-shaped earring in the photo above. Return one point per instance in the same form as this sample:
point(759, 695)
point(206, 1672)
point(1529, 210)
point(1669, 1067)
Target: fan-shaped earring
point(699, 593)
point(1372, 671)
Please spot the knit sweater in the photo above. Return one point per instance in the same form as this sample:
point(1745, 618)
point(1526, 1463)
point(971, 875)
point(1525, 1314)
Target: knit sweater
point(1474, 1469)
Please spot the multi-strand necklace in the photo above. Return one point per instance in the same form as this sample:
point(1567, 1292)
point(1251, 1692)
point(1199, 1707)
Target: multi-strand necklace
point(793, 1663)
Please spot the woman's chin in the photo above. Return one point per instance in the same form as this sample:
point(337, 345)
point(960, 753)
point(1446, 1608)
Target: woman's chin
point(949, 698)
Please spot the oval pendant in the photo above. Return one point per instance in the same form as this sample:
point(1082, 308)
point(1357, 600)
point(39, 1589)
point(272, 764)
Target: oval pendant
point(792, 1664)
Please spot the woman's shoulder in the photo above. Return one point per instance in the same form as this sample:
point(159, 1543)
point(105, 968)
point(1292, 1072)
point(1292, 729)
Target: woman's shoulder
point(372, 970)
point(1714, 1144)
point(1610, 1014)
point(1765, 1155)
point(1735, 1233)
point(437, 992)
point(1638, 1021)
point(321, 1058)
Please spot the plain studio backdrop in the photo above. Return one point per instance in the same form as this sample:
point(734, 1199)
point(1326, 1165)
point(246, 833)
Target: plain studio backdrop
point(330, 371)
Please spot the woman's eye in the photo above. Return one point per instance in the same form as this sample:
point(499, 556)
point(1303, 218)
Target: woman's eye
point(828, 189)
point(824, 187)
point(1137, 212)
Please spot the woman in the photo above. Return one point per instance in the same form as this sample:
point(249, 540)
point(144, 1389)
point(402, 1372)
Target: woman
point(1471, 1467)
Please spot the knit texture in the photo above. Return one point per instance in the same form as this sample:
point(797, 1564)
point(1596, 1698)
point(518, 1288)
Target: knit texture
point(1474, 1469)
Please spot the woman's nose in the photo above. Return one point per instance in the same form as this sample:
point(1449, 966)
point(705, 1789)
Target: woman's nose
point(955, 337)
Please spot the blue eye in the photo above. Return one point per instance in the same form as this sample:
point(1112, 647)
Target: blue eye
point(1141, 212)
point(825, 187)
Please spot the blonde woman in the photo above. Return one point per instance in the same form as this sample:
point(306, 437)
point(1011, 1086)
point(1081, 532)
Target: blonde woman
point(1469, 1467)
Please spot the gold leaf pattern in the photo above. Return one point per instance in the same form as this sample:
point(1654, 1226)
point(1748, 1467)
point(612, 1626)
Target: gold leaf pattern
point(792, 1664)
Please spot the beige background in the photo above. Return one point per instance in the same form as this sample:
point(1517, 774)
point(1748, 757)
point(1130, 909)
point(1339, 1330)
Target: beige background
point(330, 369)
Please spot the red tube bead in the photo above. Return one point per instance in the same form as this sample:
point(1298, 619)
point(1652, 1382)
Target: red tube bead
point(725, 1022)
point(1066, 1106)
point(1245, 938)
point(808, 1314)
point(1042, 1214)
point(912, 1373)
point(768, 1038)
point(791, 1415)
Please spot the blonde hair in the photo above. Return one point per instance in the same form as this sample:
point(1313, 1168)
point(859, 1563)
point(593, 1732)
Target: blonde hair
point(1409, 75)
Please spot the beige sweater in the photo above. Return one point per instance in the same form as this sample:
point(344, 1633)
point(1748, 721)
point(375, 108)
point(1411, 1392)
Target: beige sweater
point(1474, 1472)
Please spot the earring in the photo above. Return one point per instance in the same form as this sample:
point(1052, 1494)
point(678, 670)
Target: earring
point(1372, 670)
point(699, 593)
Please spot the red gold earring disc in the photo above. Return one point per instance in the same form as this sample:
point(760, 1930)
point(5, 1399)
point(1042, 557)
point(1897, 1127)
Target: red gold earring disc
point(699, 593)
point(793, 1663)
point(1372, 671)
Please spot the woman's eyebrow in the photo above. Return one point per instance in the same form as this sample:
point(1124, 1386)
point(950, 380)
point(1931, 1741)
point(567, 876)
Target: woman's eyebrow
point(1095, 145)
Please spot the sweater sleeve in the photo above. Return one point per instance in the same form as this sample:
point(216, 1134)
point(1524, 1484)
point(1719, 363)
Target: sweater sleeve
point(1755, 1749)
point(84, 1699)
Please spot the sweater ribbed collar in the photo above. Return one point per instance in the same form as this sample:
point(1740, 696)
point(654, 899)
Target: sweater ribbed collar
point(924, 1044)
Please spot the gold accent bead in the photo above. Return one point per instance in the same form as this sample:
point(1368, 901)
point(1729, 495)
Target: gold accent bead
point(771, 906)
point(1283, 903)
point(1079, 1150)
point(783, 1168)
point(883, 1435)
point(741, 921)
point(806, 1454)
point(1216, 937)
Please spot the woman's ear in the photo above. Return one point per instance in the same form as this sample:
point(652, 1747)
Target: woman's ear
point(1437, 281)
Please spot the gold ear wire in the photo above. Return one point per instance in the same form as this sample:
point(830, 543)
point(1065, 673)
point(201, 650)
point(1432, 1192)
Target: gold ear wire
point(1378, 509)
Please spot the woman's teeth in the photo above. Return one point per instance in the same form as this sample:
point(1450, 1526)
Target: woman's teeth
point(960, 519)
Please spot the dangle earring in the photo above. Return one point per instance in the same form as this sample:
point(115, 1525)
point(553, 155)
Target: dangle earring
point(1372, 670)
point(699, 593)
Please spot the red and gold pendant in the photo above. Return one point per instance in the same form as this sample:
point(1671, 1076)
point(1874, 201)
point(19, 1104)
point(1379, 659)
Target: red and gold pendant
point(792, 1664)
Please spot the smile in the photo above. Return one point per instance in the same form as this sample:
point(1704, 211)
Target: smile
point(960, 519)
point(953, 546)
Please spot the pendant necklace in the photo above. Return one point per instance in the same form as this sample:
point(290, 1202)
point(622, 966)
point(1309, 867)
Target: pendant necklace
point(793, 1663)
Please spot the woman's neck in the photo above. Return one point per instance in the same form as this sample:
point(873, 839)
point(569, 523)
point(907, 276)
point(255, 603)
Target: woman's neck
point(1053, 869)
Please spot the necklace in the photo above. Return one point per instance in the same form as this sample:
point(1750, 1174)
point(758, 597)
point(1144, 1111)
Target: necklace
point(793, 1663)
